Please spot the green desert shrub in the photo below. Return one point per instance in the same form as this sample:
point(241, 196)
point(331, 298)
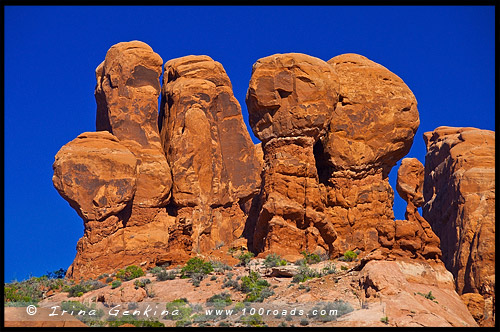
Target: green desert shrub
point(219, 300)
point(115, 284)
point(220, 266)
point(245, 258)
point(310, 258)
point(179, 310)
point(76, 290)
point(257, 289)
point(156, 270)
point(254, 320)
point(273, 260)
point(141, 283)
point(166, 275)
point(129, 273)
point(305, 273)
point(350, 255)
point(196, 265)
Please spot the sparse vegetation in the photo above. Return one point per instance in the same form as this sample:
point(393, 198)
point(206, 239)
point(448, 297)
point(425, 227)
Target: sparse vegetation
point(253, 320)
point(115, 284)
point(34, 289)
point(220, 300)
point(349, 256)
point(329, 311)
point(385, 320)
point(245, 258)
point(129, 273)
point(309, 258)
point(90, 320)
point(220, 267)
point(166, 275)
point(329, 269)
point(196, 265)
point(141, 283)
point(428, 296)
point(305, 273)
point(180, 311)
point(257, 289)
point(273, 260)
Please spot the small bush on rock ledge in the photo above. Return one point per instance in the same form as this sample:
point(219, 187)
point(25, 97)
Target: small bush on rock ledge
point(129, 273)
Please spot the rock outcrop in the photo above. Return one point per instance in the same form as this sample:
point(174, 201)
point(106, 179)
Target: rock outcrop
point(372, 128)
point(415, 293)
point(145, 205)
point(156, 187)
point(127, 94)
point(291, 98)
point(215, 168)
point(414, 234)
point(459, 194)
point(331, 132)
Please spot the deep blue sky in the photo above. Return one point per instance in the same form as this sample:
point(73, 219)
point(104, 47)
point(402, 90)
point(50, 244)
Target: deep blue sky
point(444, 54)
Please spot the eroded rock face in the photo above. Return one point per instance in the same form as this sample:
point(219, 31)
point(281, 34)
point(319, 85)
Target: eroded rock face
point(371, 129)
point(291, 99)
point(215, 169)
point(375, 120)
point(416, 293)
point(414, 234)
point(459, 194)
point(96, 174)
point(145, 205)
point(127, 94)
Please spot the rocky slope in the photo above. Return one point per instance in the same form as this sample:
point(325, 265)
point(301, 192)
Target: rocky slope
point(158, 186)
point(367, 292)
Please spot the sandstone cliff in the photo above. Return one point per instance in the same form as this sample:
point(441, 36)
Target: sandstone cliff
point(459, 191)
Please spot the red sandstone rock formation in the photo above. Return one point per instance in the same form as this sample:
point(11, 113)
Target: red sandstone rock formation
point(127, 93)
point(414, 234)
point(152, 190)
point(459, 193)
point(291, 99)
point(215, 169)
point(331, 132)
point(137, 207)
point(372, 128)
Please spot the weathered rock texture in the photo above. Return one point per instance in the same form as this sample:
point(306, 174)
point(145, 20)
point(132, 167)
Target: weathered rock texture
point(291, 99)
point(127, 93)
point(331, 132)
point(155, 187)
point(459, 194)
point(215, 169)
point(414, 234)
point(145, 205)
point(403, 286)
point(372, 128)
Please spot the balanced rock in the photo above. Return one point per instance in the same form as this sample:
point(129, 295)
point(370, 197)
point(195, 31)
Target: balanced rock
point(290, 100)
point(372, 127)
point(96, 174)
point(375, 120)
point(459, 194)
